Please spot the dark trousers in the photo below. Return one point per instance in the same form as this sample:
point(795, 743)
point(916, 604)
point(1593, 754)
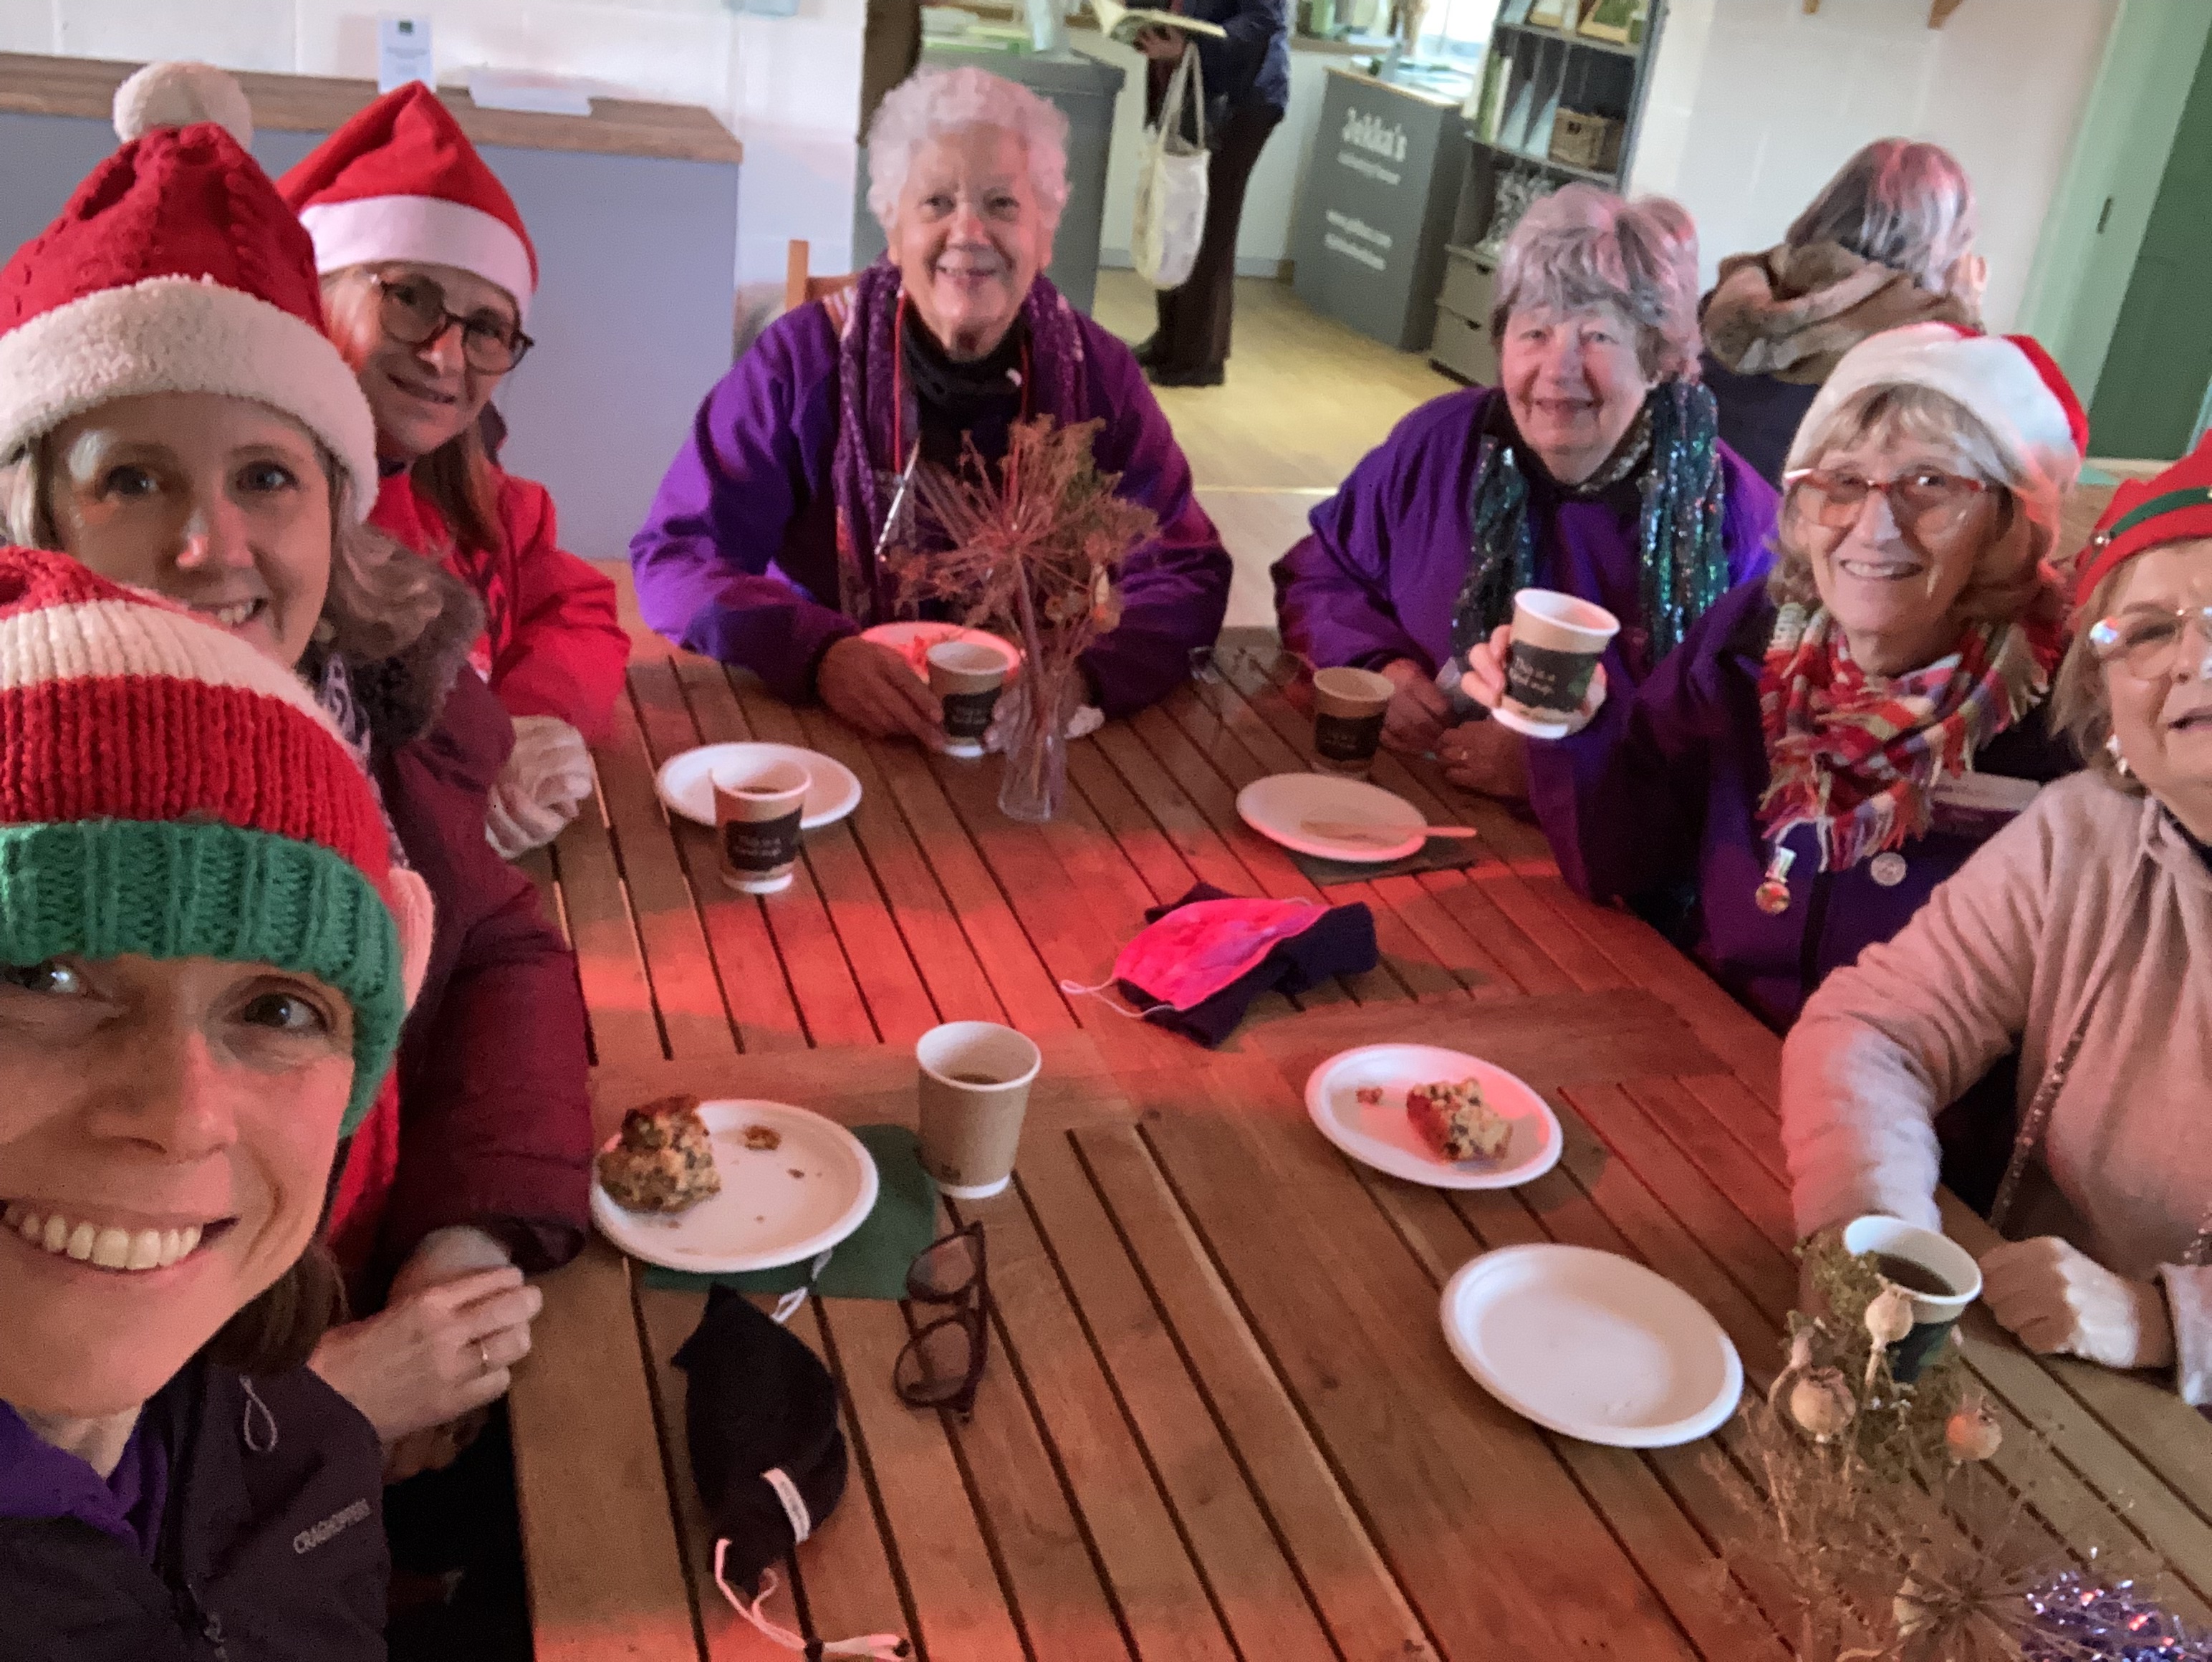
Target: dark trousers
point(1194, 333)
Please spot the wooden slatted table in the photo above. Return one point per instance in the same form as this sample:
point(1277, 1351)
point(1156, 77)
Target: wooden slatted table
point(1220, 1420)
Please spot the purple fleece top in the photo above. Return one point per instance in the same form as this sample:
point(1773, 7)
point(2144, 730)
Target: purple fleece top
point(737, 558)
point(1380, 571)
point(1663, 788)
point(38, 1480)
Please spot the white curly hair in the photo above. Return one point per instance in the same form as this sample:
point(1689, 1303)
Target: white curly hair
point(1582, 247)
point(931, 103)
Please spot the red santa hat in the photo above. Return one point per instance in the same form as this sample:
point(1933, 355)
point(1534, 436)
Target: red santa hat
point(401, 181)
point(2008, 383)
point(176, 268)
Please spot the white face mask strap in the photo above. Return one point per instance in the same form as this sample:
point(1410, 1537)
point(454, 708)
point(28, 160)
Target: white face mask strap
point(885, 1646)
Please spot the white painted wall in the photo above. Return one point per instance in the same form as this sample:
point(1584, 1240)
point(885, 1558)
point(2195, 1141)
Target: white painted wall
point(1752, 106)
point(1263, 233)
point(788, 87)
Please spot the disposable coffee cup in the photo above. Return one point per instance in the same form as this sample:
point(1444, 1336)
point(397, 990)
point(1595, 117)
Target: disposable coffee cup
point(1556, 643)
point(756, 812)
point(976, 1079)
point(1940, 1274)
point(967, 678)
point(1348, 706)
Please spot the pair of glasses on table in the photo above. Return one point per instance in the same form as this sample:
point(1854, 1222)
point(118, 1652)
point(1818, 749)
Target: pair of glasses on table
point(943, 1363)
point(412, 311)
point(1923, 497)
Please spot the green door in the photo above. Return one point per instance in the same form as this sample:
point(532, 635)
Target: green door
point(2159, 367)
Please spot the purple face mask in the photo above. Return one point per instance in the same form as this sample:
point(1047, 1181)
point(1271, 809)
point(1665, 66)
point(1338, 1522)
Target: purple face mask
point(1196, 950)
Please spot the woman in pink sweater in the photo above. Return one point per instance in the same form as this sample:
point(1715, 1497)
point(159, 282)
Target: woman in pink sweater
point(2078, 935)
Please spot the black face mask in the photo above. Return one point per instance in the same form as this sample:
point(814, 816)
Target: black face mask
point(767, 1456)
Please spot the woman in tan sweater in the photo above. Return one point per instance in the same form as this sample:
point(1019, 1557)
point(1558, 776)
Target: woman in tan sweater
point(2078, 935)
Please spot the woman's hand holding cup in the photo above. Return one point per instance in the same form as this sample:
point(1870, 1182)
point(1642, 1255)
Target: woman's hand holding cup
point(1490, 672)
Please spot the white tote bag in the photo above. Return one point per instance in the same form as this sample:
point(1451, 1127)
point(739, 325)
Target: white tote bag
point(1171, 184)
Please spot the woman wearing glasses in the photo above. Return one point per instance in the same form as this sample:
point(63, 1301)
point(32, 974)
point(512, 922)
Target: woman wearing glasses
point(1830, 743)
point(428, 273)
point(2078, 936)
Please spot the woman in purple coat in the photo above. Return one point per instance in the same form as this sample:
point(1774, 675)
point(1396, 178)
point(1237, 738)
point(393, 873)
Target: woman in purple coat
point(761, 547)
point(1831, 744)
point(1594, 468)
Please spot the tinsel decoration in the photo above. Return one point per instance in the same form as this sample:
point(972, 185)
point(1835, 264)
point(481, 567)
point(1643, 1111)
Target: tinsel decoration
point(1684, 568)
point(2079, 1618)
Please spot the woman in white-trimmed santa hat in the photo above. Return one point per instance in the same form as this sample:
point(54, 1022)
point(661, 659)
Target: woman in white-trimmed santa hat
point(428, 278)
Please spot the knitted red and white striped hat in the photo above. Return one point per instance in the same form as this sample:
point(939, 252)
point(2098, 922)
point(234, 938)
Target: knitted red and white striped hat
point(2012, 386)
point(176, 268)
point(171, 793)
point(401, 181)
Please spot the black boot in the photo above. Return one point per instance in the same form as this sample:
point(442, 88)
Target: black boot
point(1212, 375)
point(1146, 349)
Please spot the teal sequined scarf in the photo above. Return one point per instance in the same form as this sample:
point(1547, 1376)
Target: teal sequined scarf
point(1678, 533)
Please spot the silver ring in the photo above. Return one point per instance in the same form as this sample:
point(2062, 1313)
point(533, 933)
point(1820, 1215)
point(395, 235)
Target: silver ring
point(483, 1357)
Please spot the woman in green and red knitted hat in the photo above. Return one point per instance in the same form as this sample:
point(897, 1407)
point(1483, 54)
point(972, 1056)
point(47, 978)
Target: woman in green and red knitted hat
point(206, 951)
point(2078, 935)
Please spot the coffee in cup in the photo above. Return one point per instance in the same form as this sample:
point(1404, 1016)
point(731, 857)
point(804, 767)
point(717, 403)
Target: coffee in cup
point(966, 676)
point(1556, 643)
point(1940, 1274)
point(1348, 708)
point(756, 814)
point(976, 1079)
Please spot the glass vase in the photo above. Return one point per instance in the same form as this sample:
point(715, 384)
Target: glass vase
point(1034, 784)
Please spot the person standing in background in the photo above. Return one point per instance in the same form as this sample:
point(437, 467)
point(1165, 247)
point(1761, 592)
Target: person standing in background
point(1247, 88)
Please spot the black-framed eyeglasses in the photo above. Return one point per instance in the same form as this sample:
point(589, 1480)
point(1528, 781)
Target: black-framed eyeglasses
point(2148, 639)
point(412, 310)
point(1834, 497)
point(943, 1363)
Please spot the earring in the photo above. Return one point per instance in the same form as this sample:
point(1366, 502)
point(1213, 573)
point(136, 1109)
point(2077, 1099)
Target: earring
point(2119, 762)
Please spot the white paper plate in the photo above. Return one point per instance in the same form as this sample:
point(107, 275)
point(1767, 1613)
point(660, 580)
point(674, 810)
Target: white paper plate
point(1278, 805)
point(777, 1206)
point(1592, 1345)
point(1383, 1138)
point(912, 641)
point(685, 788)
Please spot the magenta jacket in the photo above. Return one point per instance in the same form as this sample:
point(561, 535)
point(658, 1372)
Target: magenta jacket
point(737, 558)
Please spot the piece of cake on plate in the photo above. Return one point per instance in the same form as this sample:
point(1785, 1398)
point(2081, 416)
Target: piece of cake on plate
point(664, 1160)
point(1456, 1121)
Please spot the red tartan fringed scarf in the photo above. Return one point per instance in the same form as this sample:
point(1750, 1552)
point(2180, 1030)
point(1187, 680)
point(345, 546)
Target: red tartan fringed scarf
point(1855, 756)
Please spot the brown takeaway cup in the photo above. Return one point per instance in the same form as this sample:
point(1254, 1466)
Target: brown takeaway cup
point(1348, 709)
point(976, 1079)
point(756, 814)
point(966, 677)
point(1558, 640)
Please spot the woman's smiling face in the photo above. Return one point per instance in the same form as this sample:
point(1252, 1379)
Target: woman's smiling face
point(969, 236)
point(166, 1135)
point(423, 396)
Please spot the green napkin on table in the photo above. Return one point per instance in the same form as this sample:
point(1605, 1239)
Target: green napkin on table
point(871, 1261)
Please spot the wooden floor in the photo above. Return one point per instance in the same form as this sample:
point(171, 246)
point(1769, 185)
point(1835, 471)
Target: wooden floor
point(1305, 400)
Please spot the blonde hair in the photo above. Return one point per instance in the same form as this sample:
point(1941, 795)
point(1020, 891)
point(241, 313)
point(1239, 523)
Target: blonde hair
point(2081, 705)
point(381, 596)
point(2009, 579)
point(455, 478)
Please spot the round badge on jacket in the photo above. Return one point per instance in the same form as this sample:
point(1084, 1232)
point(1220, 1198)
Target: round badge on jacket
point(1887, 870)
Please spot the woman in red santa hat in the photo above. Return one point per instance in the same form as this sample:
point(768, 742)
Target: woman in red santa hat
point(427, 276)
point(173, 416)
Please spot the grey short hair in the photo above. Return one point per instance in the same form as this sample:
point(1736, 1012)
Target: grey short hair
point(931, 103)
point(1582, 247)
point(1906, 205)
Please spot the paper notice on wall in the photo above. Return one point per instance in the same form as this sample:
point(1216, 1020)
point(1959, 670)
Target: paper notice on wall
point(403, 52)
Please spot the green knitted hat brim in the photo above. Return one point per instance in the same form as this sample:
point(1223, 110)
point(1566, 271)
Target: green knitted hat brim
point(108, 888)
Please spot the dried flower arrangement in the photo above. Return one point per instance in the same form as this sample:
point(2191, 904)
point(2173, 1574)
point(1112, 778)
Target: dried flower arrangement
point(1882, 1523)
point(1035, 550)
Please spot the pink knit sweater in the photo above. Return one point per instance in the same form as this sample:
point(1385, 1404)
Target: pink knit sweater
point(2088, 912)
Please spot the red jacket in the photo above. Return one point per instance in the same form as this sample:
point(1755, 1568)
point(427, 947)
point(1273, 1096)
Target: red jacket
point(493, 1125)
point(553, 644)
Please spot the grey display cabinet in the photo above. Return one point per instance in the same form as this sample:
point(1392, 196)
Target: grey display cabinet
point(1377, 208)
point(1085, 91)
point(633, 210)
point(1582, 73)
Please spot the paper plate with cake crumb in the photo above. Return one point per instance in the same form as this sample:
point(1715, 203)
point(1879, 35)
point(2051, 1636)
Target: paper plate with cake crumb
point(793, 1184)
point(1359, 1101)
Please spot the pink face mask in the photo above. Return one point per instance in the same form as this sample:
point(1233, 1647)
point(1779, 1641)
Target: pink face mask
point(1196, 950)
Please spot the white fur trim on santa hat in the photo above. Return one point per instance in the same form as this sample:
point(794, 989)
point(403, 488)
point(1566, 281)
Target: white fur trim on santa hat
point(178, 334)
point(427, 229)
point(1989, 375)
point(182, 96)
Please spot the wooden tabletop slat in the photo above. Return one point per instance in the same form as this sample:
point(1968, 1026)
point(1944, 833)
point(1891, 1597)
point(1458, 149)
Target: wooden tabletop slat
point(1219, 1422)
